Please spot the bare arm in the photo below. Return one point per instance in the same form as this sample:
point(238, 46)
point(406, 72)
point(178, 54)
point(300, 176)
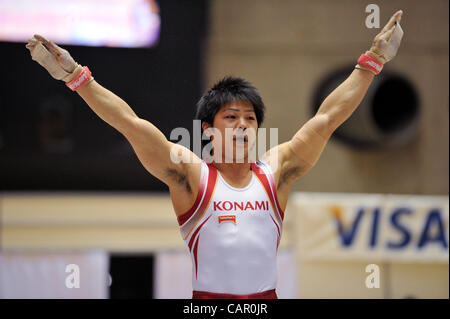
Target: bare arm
point(302, 152)
point(150, 145)
point(343, 101)
point(108, 106)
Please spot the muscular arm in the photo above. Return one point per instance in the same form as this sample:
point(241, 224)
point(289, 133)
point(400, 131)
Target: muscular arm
point(151, 146)
point(308, 143)
point(302, 152)
point(108, 106)
point(343, 101)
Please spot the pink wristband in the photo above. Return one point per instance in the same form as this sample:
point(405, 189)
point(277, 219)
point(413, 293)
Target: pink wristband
point(80, 79)
point(371, 63)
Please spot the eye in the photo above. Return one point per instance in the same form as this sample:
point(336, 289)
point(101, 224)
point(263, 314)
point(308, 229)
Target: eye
point(230, 116)
point(251, 118)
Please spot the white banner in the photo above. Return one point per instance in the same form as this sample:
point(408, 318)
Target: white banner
point(64, 275)
point(372, 227)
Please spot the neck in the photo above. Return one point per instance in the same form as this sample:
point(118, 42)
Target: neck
point(235, 172)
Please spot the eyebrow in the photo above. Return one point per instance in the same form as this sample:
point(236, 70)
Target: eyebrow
point(237, 110)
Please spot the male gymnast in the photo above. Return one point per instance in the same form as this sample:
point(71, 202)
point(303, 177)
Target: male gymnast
point(230, 211)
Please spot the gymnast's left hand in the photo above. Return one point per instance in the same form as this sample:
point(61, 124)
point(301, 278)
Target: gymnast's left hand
point(386, 43)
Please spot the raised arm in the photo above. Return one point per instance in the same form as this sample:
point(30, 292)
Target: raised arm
point(302, 152)
point(149, 143)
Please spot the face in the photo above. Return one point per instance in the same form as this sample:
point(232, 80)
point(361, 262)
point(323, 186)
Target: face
point(237, 124)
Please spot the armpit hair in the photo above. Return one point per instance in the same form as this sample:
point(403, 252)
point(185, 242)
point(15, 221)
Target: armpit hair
point(180, 178)
point(288, 175)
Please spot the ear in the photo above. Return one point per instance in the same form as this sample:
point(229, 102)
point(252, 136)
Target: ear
point(205, 127)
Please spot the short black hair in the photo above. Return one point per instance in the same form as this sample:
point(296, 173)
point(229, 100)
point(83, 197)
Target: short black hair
point(225, 91)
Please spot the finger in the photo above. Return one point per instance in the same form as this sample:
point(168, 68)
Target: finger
point(396, 17)
point(397, 35)
point(387, 35)
point(54, 49)
point(40, 38)
point(32, 40)
point(43, 40)
point(49, 45)
point(30, 45)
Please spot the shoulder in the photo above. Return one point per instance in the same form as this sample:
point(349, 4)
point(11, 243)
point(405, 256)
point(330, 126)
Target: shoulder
point(186, 181)
point(284, 164)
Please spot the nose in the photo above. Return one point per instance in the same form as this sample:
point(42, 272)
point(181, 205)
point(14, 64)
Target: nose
point(242, 123)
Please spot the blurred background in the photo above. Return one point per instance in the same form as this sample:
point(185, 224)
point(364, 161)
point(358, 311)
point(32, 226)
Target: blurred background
point(74, 193)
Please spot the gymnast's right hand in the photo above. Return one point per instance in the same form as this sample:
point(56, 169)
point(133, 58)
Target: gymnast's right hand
point(57, 61)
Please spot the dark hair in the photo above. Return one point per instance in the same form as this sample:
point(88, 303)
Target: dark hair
point(225, 91)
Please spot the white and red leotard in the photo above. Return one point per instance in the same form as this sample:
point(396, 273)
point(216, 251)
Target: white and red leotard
point(233, 235)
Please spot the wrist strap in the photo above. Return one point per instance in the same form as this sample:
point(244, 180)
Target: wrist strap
point(82, 78)
point(370, 63)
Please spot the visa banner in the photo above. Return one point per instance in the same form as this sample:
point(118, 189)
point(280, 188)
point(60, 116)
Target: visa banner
point(371, 227)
